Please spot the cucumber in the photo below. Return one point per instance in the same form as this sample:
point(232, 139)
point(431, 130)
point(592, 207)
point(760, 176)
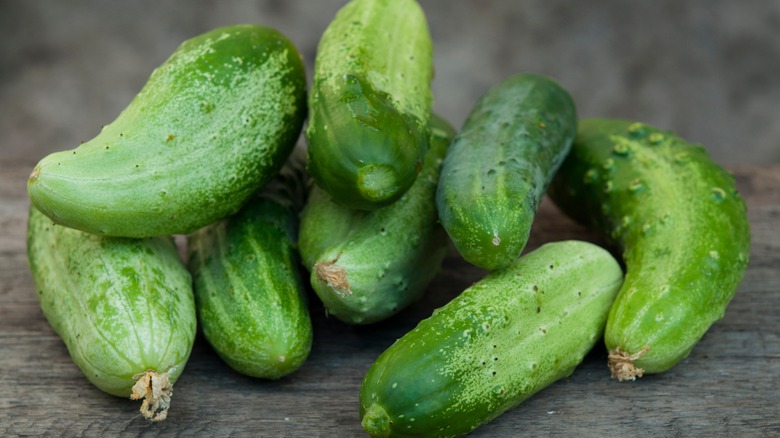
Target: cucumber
point(681, 226)
point(123, 307)
point(367, 266)
point(506, 337)
point(211, 125)
point(499, 166)
point(370, 102)
point(250, 297)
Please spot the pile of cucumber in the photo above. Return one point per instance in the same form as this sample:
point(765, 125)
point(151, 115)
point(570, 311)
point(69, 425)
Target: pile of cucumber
point(364, 215)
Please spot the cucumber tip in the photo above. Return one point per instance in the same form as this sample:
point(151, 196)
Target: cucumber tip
point(621, 364)
point(156, 390)
point(34, 174)
point(377, 182)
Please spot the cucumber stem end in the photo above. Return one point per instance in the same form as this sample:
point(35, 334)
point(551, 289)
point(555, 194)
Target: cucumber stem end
point(376, 421)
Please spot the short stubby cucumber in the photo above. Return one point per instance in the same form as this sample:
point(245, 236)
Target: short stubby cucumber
point(212, 124)
point(681, 226)
point(370, 102)
point(250, 296)
point(500, 164)
point(124, 308)
point(367, 266)
point(511, 334)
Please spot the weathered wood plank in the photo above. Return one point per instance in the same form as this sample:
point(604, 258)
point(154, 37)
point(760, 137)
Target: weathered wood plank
point(728, 386)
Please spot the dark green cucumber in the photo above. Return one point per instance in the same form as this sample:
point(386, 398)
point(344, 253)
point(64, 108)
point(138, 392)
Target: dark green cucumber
point(682, 229)
point(370, 102)
point(366, 266)
point(499, 166)
point(508, 336)
point(123, 307)
point(211, 125)
point(251, 299)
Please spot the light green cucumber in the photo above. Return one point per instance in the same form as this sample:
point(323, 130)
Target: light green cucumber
point(123, 307)
point(499, 166)
point(681, 226)
point(370, 102)
point(251, 299)
point(508, 336)
point(211, 125)
point(367, 266)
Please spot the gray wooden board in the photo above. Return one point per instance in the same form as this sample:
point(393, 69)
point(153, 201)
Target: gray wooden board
point(728, 386)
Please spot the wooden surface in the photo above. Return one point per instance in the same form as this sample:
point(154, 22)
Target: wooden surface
point(728, 386)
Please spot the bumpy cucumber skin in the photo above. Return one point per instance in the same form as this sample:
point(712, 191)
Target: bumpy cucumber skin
point(679, 221)
point(508, 336)
point(370, 102)
point(500, 164)
point(122, 306)
point(250, 296)
point(211, 125)
point(387, 257)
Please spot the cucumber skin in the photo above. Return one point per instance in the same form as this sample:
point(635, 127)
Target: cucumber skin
point(250, 296)
point(681, 226)
point(500, 164)
point(370, 102)
point(506, 337)
point(389, 255)
point(122, 306)
point(212, 124)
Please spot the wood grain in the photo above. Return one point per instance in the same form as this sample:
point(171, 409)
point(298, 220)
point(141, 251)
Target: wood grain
point(728, 386)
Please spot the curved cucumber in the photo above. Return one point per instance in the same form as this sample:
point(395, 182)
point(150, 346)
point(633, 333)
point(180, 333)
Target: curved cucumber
point(508, 336)
point(250, 296)
point(366, 266)
point(680, 224)
point(123, 307)
point(211, 125)
point(370, 102)
point(499, 166)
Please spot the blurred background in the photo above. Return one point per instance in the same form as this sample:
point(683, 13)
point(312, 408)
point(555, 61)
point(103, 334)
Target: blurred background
point(707, 69)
